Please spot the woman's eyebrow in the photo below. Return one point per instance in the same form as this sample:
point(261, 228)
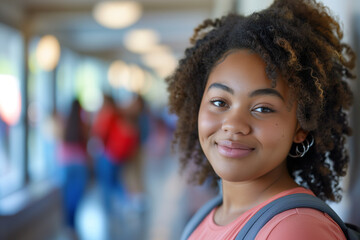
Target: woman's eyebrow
point(262, 91)
point(221, 86)
point(266, 91)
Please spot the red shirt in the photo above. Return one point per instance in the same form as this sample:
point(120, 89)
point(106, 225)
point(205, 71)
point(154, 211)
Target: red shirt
point(294, 224)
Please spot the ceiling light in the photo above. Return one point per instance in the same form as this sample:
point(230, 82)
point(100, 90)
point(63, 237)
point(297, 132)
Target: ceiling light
point(141, 40)
point(137, 82)
point(117, 14)
point(48, 52)
point(158, 59)
point(118, 74)
point(163, 62)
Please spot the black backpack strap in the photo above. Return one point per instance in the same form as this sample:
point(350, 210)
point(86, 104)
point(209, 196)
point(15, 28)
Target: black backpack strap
point(297, 200)
point(200, 215)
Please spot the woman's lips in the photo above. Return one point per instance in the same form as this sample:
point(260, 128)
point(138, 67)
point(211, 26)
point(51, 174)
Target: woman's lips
point(232, 149)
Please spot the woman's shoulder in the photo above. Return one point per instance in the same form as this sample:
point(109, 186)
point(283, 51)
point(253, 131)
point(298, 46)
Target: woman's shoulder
point(301, 223)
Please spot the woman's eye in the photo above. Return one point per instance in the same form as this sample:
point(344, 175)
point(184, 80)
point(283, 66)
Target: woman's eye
point(219, 103)
point(263, 110)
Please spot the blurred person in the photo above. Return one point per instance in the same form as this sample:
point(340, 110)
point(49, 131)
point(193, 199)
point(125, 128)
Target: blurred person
point(158, 140)
point(117, 139)
point(73, 159)
point(138, 113)
point(159, 143)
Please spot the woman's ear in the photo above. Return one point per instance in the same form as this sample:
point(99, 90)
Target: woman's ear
point(300, 135)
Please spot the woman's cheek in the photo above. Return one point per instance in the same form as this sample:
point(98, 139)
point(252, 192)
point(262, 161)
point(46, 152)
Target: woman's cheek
point(208, 123)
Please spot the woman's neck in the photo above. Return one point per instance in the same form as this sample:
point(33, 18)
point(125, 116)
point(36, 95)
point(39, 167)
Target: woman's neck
point(238, 197)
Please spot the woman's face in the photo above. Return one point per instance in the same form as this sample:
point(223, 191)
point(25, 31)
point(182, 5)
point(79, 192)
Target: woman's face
point(246, 127)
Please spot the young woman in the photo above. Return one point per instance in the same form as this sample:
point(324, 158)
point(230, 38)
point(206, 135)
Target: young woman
point(73, 160)
point(261, 102)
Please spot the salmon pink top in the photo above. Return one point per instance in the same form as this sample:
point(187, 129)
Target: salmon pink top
point(294, 224)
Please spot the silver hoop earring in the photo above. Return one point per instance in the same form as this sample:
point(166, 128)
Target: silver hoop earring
point(305, 148)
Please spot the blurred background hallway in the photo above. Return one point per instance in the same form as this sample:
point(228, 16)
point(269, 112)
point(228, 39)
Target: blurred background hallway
point(85, 135)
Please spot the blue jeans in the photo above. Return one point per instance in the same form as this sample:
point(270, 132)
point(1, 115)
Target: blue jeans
point(73, 187)
point(109, 176)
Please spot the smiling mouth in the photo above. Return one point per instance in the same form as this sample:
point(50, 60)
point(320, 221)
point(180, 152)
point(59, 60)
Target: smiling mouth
point(233, 150)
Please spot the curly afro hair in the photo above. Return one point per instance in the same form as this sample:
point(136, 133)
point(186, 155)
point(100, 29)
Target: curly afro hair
point(302, 42)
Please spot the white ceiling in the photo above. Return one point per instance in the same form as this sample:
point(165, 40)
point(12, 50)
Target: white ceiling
point(72, 23)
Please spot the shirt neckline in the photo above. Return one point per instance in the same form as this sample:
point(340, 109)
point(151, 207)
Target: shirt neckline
point(243, 218)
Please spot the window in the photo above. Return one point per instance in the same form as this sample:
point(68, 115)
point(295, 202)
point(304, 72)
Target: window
point(11, 111)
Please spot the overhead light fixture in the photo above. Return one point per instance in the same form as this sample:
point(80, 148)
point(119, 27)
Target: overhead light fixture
point(117, 14)
point(118, 74)
point(137, 82)
point(130, 77)
point(163, 62)
point(141, 40)
point(48, 52)
point(157, 59)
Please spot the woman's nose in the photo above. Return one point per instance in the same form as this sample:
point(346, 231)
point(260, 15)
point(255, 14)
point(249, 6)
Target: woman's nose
point(236, 122)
